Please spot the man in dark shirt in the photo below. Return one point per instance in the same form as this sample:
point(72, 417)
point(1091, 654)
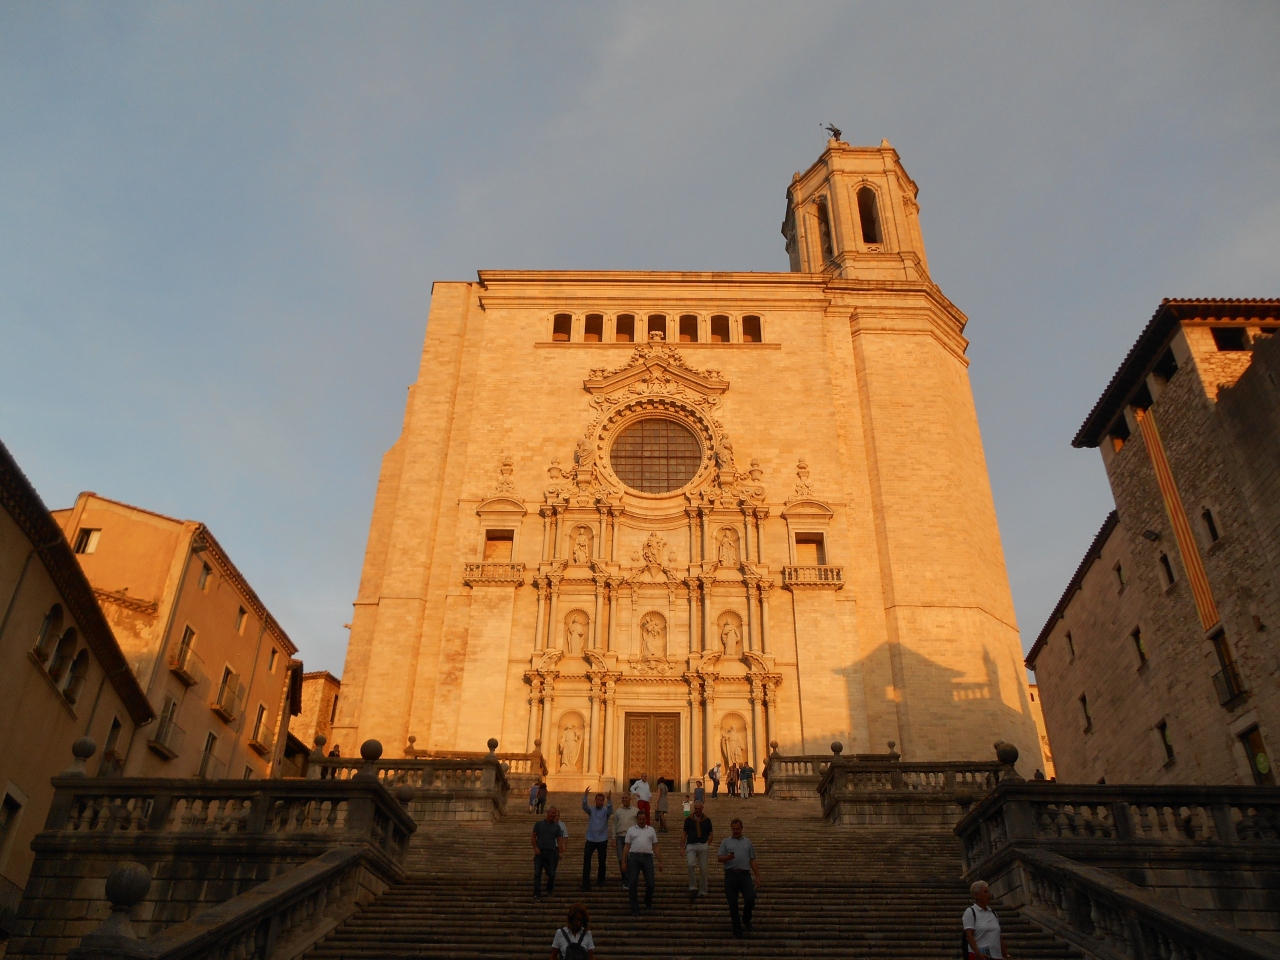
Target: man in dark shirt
point(549, 839)
point(695, 846)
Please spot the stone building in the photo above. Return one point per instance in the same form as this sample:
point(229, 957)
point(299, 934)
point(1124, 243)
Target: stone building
point(1160, 664)
point(1037, 714)
point(658, 519)
point(212, 659)
point(63, 676)
point(320, 693)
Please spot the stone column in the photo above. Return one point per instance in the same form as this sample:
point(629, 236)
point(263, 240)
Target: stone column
point(706, 613)
point(746, 532)
point(546, 532)
point(553, 589)
point(710, 732)
point(702, 513)
point(757, 723)
point(539, 635)
point(535, 701)
point(613, 615)
point(602, 512)
point(548, 707)
point(752, 616)
point(692, 514)
point(593, 697)
point(765, 587)
point(761, 514)
point(694, 644)
point(610, 719)
point(697, 767)
point(557, 532)
point(595, 624)
point(613, 539)
point(770, 691)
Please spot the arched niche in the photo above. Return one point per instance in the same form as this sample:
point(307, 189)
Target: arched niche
point(729, 636)
point(576, 634)
point(570, 746)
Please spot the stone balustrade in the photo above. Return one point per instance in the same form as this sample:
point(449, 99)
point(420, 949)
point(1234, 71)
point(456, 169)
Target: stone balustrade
point(794, 778)
point(1210, 852)
point(813, 576)
point(477, 573)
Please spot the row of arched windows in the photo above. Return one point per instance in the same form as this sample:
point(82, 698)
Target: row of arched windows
point(630, 327)
point(56, 649)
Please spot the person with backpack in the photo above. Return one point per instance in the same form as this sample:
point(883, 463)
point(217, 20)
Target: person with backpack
point(982, 938)
point(574, 942)
point(714, 776)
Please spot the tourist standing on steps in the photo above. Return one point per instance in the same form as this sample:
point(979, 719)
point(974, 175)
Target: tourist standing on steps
point(574, 941)
point(533, 796)
point(982, 926)
point(638, 856)
point(550, 837)
point(732, 788)
point(699, 793)
point(746, 780)
point(662, 804)
point(738, 855)
point(714, 776)
point(542, 797)
point(695, 847)
point(624, 818)
point(597, 841)
point(640, 790)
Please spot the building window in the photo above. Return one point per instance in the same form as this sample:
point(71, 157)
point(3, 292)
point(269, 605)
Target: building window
point(561, 328)
point(1136, 637)
point(50, 627)
point(87, 540)
point(76, 677)
point(811, 550)
point(751, 330)
point(719, 329)
point(1230, 338)
point(1120, 576)
point(1118, 433)
point(1084, 708)
point(657, 324)
point(688, 329)
point(869, 215)
point(656, 455)
point(1259, 762)
point(1166, 366)
point(593, 328)
point(241, 617)
point(497, 545)
point(1210, 527)
point(1162, 729)
point(204, 575)
point(824, 232)
point(112, 764)
point(271, 661)
point(1227, 680)
point(1071, 645)
point(62, 654)
point(624, 328)
point(209, 765)
point(1167, 568)
point(257, 722)
point(248, 773)
point(333, 711)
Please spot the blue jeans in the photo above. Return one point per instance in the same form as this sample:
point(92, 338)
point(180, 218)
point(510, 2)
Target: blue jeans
point(545, 860)
point(638, 863)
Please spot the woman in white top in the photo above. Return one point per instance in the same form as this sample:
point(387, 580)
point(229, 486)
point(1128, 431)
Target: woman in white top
point(575, 934)
point(982, 926)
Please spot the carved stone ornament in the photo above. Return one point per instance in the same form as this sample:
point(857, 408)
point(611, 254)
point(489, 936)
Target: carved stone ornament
point(506, 486)
point(558, 485)
point(804, 489)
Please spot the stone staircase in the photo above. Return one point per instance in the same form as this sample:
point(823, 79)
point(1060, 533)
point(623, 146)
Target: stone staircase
point(827, 892)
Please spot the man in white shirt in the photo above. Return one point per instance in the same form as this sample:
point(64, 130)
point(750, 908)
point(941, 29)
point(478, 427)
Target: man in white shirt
point(624, 818)
point(982, 926)
point(640, 790)
point(638, 855)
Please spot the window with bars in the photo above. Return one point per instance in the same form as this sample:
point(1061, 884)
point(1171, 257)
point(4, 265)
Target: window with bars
point(656, 455)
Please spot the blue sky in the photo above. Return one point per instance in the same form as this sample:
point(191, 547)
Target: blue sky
point(221, 221)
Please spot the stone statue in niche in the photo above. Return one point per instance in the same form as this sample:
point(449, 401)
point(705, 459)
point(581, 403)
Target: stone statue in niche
point(733, 742)
point(653, 636)
point(731, 639)
point(570, 748)
point(582, 545)
point(652, 550)
point(575, 631)
point(727, 547)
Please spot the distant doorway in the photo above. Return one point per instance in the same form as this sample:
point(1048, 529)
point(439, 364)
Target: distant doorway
point(653, 747)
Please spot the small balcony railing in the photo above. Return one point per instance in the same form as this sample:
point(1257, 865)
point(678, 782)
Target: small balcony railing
point(474, 573)
point(211, 768)
point(1227, 682)
point(185, 665)
point(230, 696)
point(168, 739)
point(823, 575)
point(263, 741)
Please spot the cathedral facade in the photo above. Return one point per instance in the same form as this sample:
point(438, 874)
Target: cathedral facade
point(649, 521)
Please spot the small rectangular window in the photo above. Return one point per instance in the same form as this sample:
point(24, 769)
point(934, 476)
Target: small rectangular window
point(593, 328)
point(257, 723)
point(1071, 645)
point(1167, 568)
point(1264, 774)
point(751, 330)
point(1162, 729)
point(624, 328)
point(1120, 576)
point(688, 329)
point(562, 328)
point(497, 545)
point(333, 711)
point(657, 324)
point(1136, 637)
point(204, 575)
point(720, 329)
point(87, 540)
point(271, 661)
point(248, 773)
point(1084, 707)
point(810, 550)
point(1210, 526)
point(1231, 339)
point(241, 617)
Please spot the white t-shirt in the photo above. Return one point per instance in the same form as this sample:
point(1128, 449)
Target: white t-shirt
point(640, 790)
point(986, 929)
point(642, 839)
point(561, 942)
point(624, 818)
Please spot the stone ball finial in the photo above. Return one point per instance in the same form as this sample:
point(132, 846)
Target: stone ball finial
point(537, 744)
point(412, 739)
point(371, 750)
point(493, 745)
point(128, 885)
point(773, 745)
point(893, 744)
point(404, 793)
point(81, 750)
point(1007, 754)
point(321, 740)
point(837, 747)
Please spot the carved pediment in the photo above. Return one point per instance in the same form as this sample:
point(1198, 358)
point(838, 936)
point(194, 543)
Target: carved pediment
point(655, 367)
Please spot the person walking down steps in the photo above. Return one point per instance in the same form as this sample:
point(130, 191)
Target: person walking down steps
point(694, 845)
point(574, 942)
point(641, 792)
point(982, 927)
point(597, 840)
point(639, 855)
point(624, 818)
point(738, 855)
point(550, 838)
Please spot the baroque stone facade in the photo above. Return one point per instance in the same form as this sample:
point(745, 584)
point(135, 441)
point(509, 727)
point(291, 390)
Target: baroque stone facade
point(652, 521)
point(1160, 663)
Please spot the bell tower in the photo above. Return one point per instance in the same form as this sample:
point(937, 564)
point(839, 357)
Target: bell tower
point(853, 215)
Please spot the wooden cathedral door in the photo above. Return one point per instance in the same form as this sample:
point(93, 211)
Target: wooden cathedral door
point(653, 747)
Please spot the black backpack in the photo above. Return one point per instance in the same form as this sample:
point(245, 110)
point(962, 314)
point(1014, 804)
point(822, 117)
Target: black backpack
point(575, 951)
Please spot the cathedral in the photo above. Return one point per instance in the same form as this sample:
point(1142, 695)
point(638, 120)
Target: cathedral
point(645, 522)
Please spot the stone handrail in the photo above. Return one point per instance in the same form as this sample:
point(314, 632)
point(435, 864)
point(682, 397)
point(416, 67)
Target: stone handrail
point(280, 919)
point(888, 792)
point(792, 778)
point(1110, 918)
point(474, 573)
point(1058, 815)
point(470, 787)
point(813, 576)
